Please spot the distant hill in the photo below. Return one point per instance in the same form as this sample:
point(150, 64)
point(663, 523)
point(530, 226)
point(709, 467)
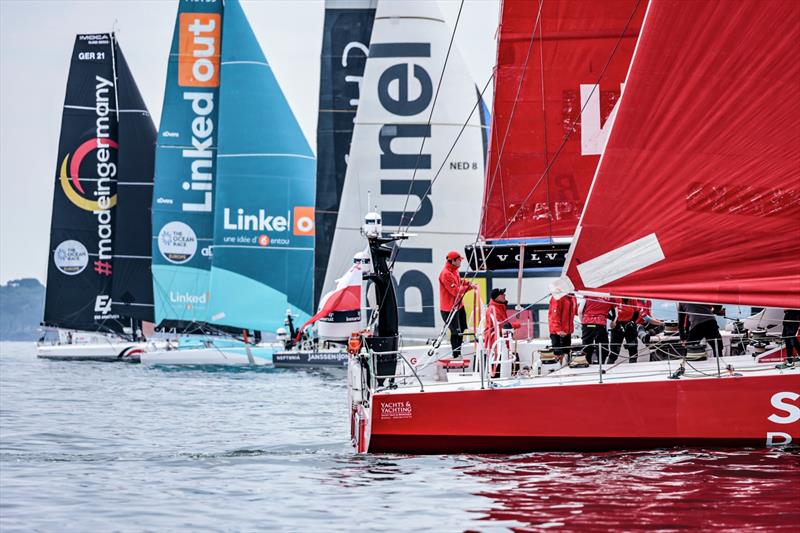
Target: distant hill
point(21, 307)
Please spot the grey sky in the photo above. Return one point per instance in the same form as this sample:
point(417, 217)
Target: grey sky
point(36, 38)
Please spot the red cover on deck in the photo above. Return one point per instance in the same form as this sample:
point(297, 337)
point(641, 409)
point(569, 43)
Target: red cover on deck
point(697, 196)
point(573, 44)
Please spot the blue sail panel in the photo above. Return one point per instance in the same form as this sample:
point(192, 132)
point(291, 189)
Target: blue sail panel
point(263, 257)
point(184, 188)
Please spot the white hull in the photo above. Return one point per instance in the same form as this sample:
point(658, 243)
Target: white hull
point(100, 351)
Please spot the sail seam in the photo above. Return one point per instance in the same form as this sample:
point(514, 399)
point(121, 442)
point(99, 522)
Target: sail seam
point(262, 63)
point(301, 156)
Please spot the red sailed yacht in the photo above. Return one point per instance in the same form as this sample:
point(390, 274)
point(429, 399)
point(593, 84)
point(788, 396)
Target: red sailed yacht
point(695, 198)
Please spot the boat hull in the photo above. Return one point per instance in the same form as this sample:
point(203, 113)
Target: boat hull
point(106, 352)
point(324, 359)
point(221, 356)
point(705, 411)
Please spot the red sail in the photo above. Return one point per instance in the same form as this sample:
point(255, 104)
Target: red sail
point(539, 124)
point(697, 196)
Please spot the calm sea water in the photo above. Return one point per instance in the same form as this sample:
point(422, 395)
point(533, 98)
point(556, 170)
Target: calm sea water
point(116, 447)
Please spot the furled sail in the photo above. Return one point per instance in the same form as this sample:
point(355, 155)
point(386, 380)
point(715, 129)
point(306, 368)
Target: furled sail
point(345, 43)
point(132, 282)
point(81, 259)
point(401, 140)
point(550, 117)
point(697, 196)
point(185, 168)
point(263, 259)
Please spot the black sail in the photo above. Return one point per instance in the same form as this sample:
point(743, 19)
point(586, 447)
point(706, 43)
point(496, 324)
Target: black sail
point(345, 40)
point(132, 282)
point(81, 250)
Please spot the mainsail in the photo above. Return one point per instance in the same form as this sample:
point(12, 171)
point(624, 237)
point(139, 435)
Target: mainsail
point(264, 207)
point(82, 229)
point(697, 196)
point(400, 142)
point(551, 118)
point(345, 44)
point(184, 190)
point(132, 283)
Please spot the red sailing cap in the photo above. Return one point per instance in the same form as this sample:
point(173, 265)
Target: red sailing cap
point(454, 255)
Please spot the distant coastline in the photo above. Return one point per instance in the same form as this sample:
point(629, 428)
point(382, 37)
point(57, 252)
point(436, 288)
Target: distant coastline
point(21, 307)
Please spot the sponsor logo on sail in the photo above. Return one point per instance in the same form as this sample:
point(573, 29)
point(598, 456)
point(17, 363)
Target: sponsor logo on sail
point(300, 220)
point(71, 257)
point(198, 63)
point(102, 199)
point(177, 242)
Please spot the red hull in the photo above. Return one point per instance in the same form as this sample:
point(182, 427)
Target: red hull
point(719, 412)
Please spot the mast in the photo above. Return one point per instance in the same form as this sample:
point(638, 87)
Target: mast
point(81, 257)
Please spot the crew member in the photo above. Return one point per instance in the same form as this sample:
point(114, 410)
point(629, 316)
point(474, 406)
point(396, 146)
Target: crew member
point(561, 322)
point(624, 327)
point(496, 317)
point(594, 317)
point(451, 293)
point(790, 333)
point(703, 325)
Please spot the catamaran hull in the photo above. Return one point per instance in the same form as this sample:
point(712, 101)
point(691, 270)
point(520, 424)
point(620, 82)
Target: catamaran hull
point(111, 352)
point(708, 411)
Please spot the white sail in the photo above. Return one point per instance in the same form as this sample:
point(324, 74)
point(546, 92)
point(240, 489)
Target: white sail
point(397, 119)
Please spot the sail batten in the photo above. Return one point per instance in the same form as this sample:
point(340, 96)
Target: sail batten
point(710, 164)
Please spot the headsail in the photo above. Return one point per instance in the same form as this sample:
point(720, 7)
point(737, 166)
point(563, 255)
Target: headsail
point(345, 43)
point(697, 196)
point(399, 146)
point(82, 228)
point(184, 190)
point(550, 118)
point(132, 283)
point(264, 208)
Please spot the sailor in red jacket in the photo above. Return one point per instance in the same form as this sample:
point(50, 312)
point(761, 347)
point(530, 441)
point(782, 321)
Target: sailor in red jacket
point(624, 327)
point(496, 317)
point(594, 317)
point(561, 322)
point(451, 292)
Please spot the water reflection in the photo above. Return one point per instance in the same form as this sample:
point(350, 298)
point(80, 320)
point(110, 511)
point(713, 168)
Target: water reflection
point(663, 489)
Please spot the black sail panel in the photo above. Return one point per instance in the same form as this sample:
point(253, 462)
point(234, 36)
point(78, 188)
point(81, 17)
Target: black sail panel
point(80, 264)
point(132, 283)
point(345, 40)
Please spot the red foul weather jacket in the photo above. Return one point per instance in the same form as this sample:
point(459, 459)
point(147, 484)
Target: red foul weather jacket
point(595, 310)
point(561, 315)
point(451, 288)
point(496, 317)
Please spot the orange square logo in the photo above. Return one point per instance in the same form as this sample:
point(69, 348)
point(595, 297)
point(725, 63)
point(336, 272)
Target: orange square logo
point(198, 49)
point(304, 221)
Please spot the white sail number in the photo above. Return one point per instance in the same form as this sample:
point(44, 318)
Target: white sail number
point(788, 413)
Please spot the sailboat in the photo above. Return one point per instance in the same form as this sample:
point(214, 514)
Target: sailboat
point(690, 177)
point(253, 193)
point(98, 287)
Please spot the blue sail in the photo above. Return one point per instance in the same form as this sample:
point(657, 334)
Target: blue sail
point(263, 257)
point(184, 189)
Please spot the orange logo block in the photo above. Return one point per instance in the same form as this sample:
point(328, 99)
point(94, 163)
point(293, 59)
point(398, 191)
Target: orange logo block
point(198, 49)
point(304, 221)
